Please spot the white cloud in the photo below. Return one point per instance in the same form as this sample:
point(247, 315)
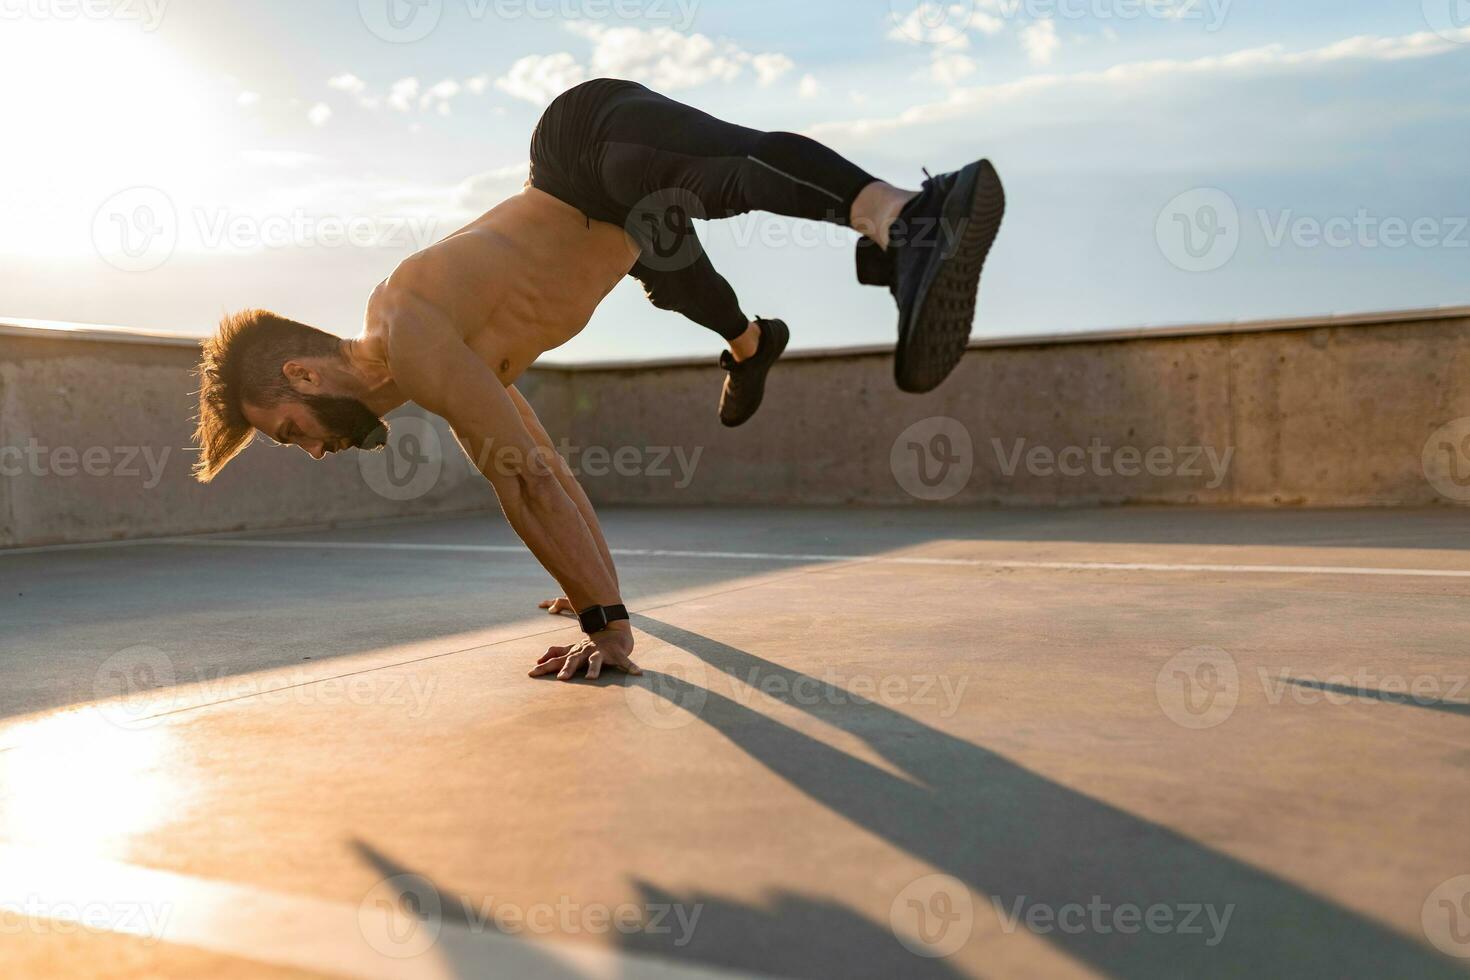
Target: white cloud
point(662, 57)
point(667, 60)
point(478, 85)
point(809, 87)
point(438, 97)
point(1264, 60)
point(347, 82)
point(951, 69)
point(1040, 41)
point(402, 93)
point(541, 78)
point(482, 192)
point(770, 67)
point(247, 100)
point(319, 114)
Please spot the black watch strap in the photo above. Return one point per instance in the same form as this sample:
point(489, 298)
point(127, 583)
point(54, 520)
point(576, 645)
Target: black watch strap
point(598, 618)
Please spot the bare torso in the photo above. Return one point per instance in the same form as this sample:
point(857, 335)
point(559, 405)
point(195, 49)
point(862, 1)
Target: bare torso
point(521, 280)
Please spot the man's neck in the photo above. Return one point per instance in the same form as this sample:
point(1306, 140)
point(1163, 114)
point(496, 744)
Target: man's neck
point(366, 377)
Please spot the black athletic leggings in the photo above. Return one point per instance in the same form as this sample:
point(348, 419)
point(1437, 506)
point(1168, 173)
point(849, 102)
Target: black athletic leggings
point(621, 153)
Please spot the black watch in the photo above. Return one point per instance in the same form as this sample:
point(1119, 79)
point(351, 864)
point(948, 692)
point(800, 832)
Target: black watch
point(598, 618)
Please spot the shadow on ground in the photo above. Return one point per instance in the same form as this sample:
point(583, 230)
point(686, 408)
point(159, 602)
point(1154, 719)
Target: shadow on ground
point(1012, 836)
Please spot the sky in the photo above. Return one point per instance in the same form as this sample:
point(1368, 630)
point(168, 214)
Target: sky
point(1166, 161)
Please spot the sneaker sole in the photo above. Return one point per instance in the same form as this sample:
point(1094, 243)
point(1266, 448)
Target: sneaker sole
point(944, 313)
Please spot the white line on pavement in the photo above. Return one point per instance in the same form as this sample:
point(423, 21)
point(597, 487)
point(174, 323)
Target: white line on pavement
point(1065, 566)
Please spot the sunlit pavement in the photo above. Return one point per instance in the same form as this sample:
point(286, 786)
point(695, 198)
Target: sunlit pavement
point(868, 743)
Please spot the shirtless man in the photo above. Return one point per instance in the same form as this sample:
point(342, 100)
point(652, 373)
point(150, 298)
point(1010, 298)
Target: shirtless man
point(616, 173)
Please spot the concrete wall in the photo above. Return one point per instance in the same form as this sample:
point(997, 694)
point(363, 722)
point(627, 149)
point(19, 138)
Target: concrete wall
point(95, 430)
point(1318, 413)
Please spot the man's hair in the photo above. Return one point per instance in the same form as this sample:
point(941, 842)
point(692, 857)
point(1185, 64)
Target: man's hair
point(242, 363)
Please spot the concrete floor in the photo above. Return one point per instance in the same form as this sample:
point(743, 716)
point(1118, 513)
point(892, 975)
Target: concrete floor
point(1003, 744)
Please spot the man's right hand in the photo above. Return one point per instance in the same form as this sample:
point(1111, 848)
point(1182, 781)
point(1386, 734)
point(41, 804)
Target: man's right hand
point(610, 648)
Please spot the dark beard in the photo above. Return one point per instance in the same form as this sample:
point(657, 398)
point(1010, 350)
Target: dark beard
point(349, 421)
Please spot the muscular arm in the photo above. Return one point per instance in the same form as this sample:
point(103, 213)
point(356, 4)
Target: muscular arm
point(434, 368)
point(564, 475)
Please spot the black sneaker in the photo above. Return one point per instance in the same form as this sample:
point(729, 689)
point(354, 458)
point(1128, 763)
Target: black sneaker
point(746, 385)
point(939, 244)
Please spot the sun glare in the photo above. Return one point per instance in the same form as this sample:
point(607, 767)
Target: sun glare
point(91, 108)
point(76, 781)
